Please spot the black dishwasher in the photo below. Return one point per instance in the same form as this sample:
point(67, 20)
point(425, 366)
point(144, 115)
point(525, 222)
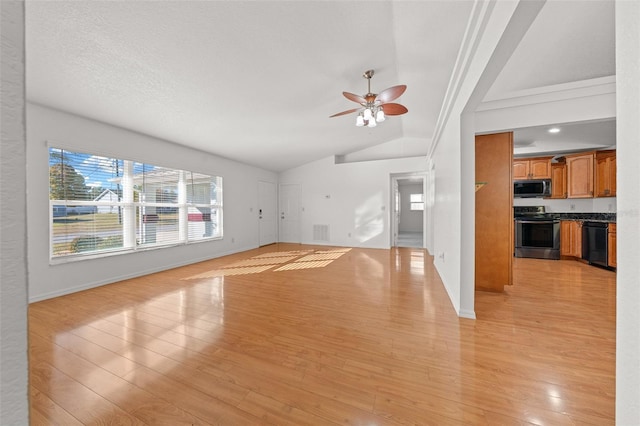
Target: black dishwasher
point(594, 243)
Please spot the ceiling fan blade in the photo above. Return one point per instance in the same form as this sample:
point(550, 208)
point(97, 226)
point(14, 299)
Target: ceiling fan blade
point(387, 95)
point(394, 109)
point(355, 98)
point(349, 111)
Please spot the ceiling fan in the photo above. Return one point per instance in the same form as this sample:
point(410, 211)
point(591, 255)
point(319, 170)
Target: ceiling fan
point(375, 107)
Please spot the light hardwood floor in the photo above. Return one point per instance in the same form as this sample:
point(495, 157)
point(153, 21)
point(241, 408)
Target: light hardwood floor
point(296, 334)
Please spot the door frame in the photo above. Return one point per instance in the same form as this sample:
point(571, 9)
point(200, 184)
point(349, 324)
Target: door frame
point(394, 192)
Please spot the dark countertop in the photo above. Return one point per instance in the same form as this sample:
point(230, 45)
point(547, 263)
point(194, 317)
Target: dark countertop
point(591, 217)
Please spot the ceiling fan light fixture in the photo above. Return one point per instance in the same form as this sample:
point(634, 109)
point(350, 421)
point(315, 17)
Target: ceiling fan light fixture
point(374, 108)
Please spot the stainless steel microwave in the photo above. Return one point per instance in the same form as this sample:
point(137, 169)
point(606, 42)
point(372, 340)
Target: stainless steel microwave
point(532, 188)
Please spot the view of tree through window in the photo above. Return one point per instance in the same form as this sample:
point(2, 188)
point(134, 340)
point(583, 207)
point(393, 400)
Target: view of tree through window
point(101, 205)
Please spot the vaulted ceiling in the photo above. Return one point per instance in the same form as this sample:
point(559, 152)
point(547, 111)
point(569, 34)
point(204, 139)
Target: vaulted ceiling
point(256, 81)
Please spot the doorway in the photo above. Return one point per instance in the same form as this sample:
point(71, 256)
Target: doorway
point(289, 213)
point(267, 213)
point(408, 212)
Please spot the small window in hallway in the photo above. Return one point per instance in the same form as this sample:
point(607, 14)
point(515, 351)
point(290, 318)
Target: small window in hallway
point(417, 202)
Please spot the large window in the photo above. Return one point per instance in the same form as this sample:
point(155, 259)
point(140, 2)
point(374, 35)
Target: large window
point(100, 205)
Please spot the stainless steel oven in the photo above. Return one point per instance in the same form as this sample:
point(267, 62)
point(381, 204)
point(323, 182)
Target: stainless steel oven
point(536, 235)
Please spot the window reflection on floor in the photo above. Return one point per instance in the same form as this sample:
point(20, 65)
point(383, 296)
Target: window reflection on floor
point(281, 261)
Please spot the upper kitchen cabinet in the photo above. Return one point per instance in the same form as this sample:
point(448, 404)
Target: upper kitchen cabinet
point(605, 183)
point(532, 168)
point(580, 175)
point(558, 180)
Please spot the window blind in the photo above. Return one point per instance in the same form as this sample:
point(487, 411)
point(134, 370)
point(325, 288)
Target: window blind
point(100, 204)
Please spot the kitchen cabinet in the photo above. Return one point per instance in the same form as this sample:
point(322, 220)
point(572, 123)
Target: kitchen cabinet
point(532, 168)
point(605, 183)
point(580, 175)
point(558, 180)
point(571, 238)
point(612, 249)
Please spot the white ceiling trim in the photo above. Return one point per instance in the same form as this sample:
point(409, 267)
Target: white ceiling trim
point(553, 93)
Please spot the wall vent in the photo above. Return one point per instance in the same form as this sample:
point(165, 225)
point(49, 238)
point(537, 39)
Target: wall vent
point(321, 233)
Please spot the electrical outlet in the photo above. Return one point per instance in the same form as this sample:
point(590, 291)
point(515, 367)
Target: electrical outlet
point(233, 240)
point(349, 235)
point(572, 207)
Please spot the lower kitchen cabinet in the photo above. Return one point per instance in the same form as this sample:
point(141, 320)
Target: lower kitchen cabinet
point(571, 238)
point(611, 246)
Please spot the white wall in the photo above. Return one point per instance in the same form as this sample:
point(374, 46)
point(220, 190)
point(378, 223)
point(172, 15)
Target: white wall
point(352, 198)
point(14, 405)
point(494, 31)
point(240, 186)
point(410, 220)
point(628, 218)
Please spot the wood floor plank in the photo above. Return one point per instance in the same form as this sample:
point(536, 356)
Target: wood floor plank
point(112, 389)
point(194, 401)
point(368, 338)
point(76, 399)
point(45, 412)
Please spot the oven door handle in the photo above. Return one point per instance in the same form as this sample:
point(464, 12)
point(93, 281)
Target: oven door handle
point(537, 221)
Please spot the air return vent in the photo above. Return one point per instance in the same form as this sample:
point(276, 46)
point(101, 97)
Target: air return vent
point(321, 232)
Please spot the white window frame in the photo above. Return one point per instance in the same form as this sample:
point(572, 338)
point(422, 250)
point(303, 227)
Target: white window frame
point(132, 226)
point(416, 201)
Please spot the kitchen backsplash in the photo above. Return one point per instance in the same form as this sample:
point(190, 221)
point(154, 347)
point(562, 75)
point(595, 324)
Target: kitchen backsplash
point(572, 205)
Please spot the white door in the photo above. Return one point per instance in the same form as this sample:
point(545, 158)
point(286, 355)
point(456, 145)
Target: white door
point(267, 221)
point(289, 213)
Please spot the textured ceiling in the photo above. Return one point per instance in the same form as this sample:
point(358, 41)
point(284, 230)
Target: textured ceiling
point(256, 81)
point(568, 41)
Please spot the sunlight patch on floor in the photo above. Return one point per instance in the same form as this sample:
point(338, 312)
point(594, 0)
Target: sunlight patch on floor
point(304, 265)
point(231, 271)
point(262, 261)
point(281, 260)
point(283, 254)
point(320, 256)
